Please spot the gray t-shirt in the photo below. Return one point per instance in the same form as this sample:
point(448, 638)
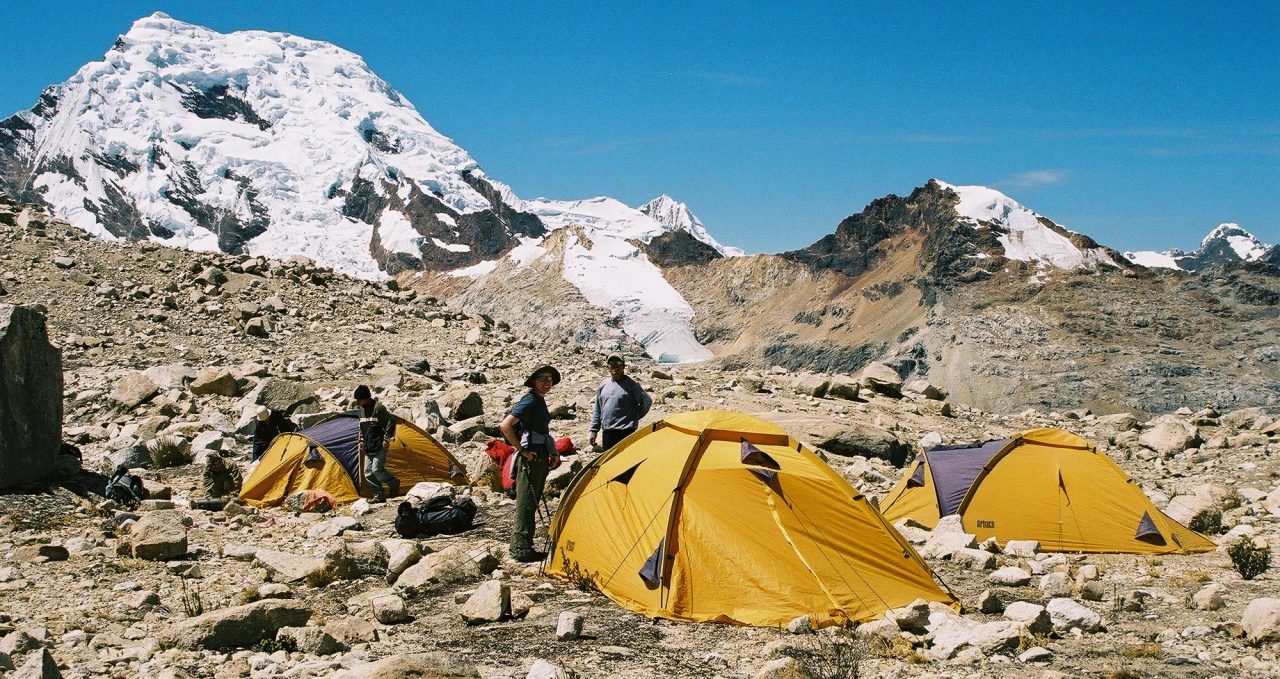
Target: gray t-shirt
point(620, 404)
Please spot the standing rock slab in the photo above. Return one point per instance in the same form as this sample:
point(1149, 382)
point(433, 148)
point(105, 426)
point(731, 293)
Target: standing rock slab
point(236, 627)
point(38, 666)
point(286, 567)
point(30, 397)
point(491, 602)
point(1261, 620)
point(157, 536)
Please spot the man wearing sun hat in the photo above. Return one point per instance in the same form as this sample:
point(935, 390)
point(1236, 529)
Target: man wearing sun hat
point(620, 405)
point(267, 425)
point(528, 429)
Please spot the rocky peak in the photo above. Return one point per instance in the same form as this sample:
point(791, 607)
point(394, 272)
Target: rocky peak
point(1226, 245)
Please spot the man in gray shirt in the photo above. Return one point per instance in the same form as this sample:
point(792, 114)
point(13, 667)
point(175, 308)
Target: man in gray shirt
point(620, 405)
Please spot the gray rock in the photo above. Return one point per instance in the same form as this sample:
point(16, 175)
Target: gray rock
point(413, 666)
point(952, 633)
point(1119, 421)
point(810, 384)
point(38, 666)
point(923, 388)
point(844, 387)
point(282, 395)
point(1010, 576)
point(235, 627)
point(881, 379)
point(942, 545)
point(989, 602)
point(401, 554)
point(1170, 435)
point(352, 560)
point(802, 624)
point(542, 669)
point(389, 609)
point(18, 642)
point(783, 668)
point(352, 630)
point(1261, 620)
point(569, 626)
point(286, 567)
point(313, 640)
point(215, 381)
point(461, 404)
point(332, 528)
point(40, 553)
point(30, 397)
point(134, 390)
point(911, 618)
point(451, 564)
point(491, 602)
point(974, 559)
point(1036, 654)
point(856, 439)
point(1033, 616)
point(1068, 613)
point(157, 536)
point(1027, 549)
point(1055, 584)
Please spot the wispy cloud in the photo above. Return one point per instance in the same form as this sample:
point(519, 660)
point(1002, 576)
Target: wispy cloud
point(725, 78)
point(1035, 178)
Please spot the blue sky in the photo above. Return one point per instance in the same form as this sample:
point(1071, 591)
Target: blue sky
point(1141, 124)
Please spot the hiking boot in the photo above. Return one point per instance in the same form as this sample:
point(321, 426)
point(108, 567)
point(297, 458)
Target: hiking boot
point(529, 556)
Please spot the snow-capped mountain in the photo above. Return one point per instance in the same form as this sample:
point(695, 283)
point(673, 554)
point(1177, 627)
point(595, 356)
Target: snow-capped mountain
point(1226, 244)
point(1025, 235)
point(270, 144)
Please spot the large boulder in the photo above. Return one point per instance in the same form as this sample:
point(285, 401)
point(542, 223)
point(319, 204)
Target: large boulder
point(30, 397)
point(235, 627)
point(881, 379)
point(870, 442)
point(415, 666)
point(1261, 620)
point(157, 536)
point(461, 404)
point(133, 390)
point(282, 395)
point(1169, 435)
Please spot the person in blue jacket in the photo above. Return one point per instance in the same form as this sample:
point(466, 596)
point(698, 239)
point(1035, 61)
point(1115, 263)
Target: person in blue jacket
point(620, 405)
point(528, 429)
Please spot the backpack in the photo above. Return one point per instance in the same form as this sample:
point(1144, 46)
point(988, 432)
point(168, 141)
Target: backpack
point(125, 489)
point(441, 515)
point(504, 456)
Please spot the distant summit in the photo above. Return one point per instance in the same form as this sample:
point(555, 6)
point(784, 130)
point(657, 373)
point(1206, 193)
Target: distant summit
point(1227, 244)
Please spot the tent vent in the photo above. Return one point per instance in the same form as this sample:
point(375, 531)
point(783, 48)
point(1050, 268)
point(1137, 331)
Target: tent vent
point(766, 475)
point(917, 479)
point(625, 477)
point(651, 572)
point(753, 455)
point(1147, 531)
point(313, 458)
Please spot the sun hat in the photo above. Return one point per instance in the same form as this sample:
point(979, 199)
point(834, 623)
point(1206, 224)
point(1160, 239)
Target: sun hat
point(555, 376)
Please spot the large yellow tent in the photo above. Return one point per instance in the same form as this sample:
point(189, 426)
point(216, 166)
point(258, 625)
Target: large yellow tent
point(719, 516)
point(327, 457)
point(1046, 485)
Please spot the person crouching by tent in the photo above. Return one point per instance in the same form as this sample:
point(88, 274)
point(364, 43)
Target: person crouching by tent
point(528, 430)
point(377, 431)
point(268, 425)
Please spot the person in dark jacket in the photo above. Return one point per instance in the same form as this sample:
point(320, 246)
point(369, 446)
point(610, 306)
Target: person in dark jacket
point(528, 429)
point(620, 405)
point(268, 425)
point(377, 431)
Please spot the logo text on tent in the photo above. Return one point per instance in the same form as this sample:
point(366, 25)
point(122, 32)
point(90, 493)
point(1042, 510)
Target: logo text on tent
point(983, 523)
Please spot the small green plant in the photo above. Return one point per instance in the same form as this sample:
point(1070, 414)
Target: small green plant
point(1249, 558)
point(192, 604)
point(322, 577)
point(833, 656)
point(1207, 521)
point(284, 642)
point(579, 578)
point(169, 452)
point(1230, 500)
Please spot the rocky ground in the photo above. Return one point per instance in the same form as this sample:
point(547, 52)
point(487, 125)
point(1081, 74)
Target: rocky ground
point(180, 346)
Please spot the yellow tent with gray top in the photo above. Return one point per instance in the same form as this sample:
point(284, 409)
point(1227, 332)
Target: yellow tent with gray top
point(1046, 485)
point(719, 516)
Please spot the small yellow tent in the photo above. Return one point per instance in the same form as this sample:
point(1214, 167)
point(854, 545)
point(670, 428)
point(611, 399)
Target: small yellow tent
point(719, 516)
point(1046, 485)
point(327, 457)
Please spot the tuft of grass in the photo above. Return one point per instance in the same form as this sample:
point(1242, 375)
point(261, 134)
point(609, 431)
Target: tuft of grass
point(169, 452)
point(322, 577)
point(1249, 558)
point(834, 656)
point(1150, 649)
point(577, 576)
point(192, 604)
